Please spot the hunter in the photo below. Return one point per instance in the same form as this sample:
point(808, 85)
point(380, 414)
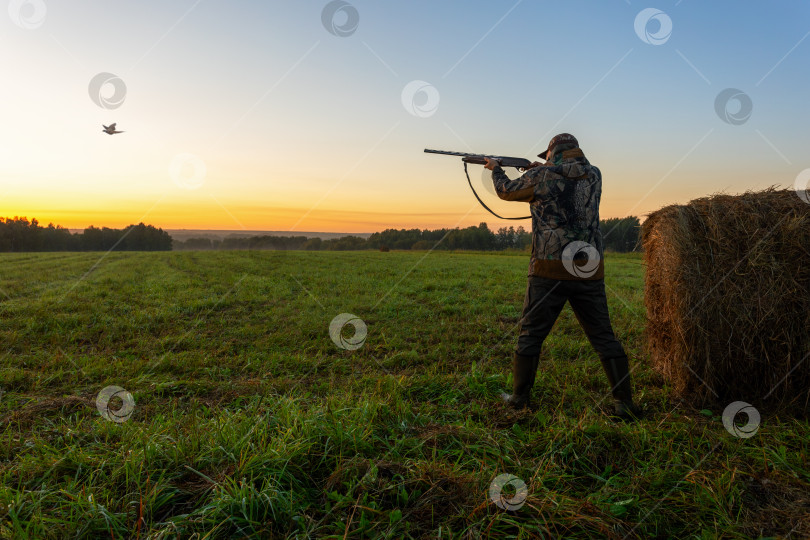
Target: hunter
point(566, 265)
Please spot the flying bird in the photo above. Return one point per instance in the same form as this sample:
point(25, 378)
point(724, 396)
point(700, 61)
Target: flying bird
point(110, 130)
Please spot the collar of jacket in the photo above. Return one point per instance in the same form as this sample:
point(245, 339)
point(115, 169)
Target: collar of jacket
point(570, 163)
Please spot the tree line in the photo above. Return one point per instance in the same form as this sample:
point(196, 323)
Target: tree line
point(19, 234)
point(620, 234)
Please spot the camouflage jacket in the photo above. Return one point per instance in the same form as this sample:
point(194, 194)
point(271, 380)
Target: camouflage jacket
point(564, 202)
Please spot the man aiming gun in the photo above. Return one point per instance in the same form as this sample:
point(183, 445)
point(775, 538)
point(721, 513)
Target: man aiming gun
point(566, 265)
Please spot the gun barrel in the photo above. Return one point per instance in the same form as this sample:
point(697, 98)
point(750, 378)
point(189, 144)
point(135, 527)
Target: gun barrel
point(446, 153)
point(462, 154)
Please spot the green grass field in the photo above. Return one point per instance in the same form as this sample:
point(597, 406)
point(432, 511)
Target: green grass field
point(249, 422)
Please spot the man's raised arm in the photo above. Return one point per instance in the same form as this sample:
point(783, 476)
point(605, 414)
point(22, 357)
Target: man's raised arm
point(537, 182)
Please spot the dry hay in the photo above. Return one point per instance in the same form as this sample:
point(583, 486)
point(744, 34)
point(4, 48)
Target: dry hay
point(727, 292)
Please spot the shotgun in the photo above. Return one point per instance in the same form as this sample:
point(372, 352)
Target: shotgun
point(480, 159)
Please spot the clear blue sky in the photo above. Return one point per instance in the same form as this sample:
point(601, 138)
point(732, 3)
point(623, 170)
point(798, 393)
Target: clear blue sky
point(301, 129)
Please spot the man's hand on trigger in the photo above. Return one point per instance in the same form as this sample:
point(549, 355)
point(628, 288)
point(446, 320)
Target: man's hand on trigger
point(535, 164)
point(492, 163)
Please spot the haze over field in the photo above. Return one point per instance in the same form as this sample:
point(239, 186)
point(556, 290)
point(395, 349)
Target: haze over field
point(185, 234)
point(287, 116)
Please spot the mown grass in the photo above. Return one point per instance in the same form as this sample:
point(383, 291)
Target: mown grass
point(250, 423)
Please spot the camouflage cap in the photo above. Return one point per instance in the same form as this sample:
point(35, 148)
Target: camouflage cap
point(562, 138)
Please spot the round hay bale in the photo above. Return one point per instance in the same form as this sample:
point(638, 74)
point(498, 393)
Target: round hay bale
point(727, 292)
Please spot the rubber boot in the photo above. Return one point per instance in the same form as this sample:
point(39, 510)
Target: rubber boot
point(618, 374)
point(524, 370)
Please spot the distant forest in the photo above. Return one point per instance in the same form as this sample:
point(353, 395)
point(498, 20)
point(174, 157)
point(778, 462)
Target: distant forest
point(620, 234)
point(19, 234)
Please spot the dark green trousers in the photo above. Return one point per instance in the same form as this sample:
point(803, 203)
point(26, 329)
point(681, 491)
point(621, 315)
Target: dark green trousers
point(545, 299)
